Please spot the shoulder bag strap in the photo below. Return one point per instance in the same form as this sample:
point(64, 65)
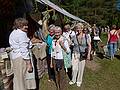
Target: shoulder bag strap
point(78, 43)
point(86, 39)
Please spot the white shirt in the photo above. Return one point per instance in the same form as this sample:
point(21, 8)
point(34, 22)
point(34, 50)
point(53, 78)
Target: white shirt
point(57, 50)
point(69, 34)
point(66, 35)
point(20, 44)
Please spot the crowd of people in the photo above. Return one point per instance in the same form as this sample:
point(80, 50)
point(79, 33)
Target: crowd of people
point(66, 48)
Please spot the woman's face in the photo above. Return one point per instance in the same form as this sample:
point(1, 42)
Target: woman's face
point(51, 32)
point(58, 33)
point(67, 28)
point(24, 28)
point(79, 29)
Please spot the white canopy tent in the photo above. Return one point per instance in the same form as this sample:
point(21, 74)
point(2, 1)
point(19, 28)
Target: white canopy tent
point(61, 10)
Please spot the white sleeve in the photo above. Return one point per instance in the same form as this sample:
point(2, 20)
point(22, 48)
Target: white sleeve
point(67, 46)
point(24, 46)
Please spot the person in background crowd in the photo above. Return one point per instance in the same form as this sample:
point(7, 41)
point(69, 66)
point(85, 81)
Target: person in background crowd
point(119, 38)
point(20, 55)
point(112, 41)
point(81, 42)
point(95, 39)
point(58, 45)
point(68, 34)
point(38, 56)
point(49, 40)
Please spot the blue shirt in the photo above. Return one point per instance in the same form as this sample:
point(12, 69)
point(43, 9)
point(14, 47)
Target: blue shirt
point(49, 40)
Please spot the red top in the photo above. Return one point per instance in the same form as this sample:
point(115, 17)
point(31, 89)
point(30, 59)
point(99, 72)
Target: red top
point(113, 37)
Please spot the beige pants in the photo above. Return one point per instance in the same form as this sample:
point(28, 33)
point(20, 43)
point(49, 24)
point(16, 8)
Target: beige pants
point(19, 70)
point(77, 69)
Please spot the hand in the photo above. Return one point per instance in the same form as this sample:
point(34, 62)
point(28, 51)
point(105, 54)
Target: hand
point(51, 65)
point(29, 66)
point(61, 43)
point(88, 57)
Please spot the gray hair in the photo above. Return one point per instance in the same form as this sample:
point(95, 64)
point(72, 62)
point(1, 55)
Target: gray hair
point(52, 26)
point(58, 28)
point(19, 23)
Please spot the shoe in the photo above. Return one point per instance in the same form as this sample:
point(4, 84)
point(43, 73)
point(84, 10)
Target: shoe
point(79, 84)
point(49, 80)
point(94, 53)
point(71, 82)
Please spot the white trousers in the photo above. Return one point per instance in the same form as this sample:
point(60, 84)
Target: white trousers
point(21, 80)
point(19, 70)
point(77, 69)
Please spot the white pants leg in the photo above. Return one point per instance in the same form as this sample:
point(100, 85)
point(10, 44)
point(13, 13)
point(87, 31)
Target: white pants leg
point(74, 68)
point(19, 69)
point(74, 73)
point(81, 66)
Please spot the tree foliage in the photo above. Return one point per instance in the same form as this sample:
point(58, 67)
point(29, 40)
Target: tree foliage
point(101, 12)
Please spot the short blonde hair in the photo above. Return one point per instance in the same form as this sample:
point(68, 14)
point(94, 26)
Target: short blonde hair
point(19, 23)
point(79, 25)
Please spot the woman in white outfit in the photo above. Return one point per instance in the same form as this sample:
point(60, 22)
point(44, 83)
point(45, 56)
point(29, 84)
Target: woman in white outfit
point(82, 42)
point(19, 42)
point(57, 62)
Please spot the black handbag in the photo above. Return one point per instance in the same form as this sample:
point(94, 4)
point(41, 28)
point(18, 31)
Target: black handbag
point(83, 55)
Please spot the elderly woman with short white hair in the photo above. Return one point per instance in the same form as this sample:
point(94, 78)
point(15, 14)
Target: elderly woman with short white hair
point(20, 55)
point(58, 45)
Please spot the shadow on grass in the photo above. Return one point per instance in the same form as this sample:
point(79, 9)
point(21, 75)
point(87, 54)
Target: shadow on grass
point(117, 56)
point(100, 55)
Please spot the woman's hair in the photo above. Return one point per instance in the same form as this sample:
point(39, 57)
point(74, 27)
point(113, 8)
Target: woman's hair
point(57, 28)
point(79, 25)
point(86, 30)
point(113, 27)
point(52, 26)
point(19, 23)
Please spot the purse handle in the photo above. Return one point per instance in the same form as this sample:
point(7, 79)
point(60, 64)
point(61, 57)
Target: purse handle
point(78, 43)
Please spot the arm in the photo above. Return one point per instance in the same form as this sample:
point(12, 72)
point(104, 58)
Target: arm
point(66, 46)
point(62, 45)
point(89, 47)
point(108, 38)
point(94, 32)
point(118, 34)
point(89, 51)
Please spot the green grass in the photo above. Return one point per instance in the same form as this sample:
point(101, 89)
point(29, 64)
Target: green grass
point(106, 78)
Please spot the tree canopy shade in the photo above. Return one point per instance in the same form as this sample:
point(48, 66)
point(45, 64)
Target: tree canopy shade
point(61, 10)
point(102, 12)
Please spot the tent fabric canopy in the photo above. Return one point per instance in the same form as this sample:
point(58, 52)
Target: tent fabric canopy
point(61, 10)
